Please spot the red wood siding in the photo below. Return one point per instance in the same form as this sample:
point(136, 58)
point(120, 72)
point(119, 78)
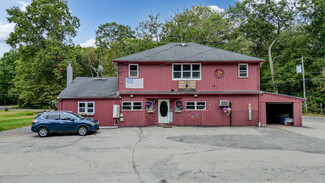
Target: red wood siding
point(159, 78)
point(212, 116)
point(103, 109)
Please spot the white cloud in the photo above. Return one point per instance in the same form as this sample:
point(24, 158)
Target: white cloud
point(23, 5)
point(5, 30)
point(216, 8)
point(89, 43)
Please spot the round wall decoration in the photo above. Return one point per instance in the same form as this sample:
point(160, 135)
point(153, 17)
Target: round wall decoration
point(219, 73)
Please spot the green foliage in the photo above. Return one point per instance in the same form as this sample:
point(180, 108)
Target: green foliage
point(44, 34)
point(112, 32)
point(7, 73)
point(199, 24)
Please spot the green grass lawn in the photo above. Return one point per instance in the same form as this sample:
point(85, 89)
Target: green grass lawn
point(15, 119)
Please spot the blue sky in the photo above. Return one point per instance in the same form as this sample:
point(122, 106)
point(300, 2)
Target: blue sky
point(92, 13)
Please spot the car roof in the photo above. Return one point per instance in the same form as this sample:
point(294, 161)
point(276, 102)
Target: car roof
point(57, 112)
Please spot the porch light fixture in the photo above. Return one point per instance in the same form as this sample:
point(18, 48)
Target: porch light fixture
point(195, 95)
point(131, 96)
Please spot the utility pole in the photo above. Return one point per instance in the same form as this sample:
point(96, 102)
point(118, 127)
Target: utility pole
point(303, 81)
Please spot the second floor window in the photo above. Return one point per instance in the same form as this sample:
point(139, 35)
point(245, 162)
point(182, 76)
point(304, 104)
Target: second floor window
point(243, 70)
point(133, 70)
point(186, 71)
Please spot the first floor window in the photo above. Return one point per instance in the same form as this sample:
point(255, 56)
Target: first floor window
point(132, 106)
point(195, 105)
point(243, 70)
point(86, 107)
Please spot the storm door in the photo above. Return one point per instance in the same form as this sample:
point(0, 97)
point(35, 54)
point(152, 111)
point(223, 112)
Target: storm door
point(163, 108)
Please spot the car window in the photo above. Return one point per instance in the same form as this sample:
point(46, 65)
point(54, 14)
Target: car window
point(53, 117)
point(66, 117)
point(77, 116)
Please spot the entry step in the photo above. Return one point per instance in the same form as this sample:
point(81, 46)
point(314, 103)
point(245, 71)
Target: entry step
point(165, 125)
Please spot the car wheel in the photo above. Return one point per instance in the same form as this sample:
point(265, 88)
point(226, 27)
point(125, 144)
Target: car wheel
point(43, 132)
point(82, 130)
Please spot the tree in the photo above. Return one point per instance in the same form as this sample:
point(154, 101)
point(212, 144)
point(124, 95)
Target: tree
point(112, 32)
point(199, 24)
point(262, 21)
point(43, 34)
point(150, 29)
point(7, 74)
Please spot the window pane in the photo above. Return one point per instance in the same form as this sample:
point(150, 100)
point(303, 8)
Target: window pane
point(133, 73)
point(186, 67)
point(242, 67)
point(177, 67)
point(82, 104)
point(90, 104)
point(186, 75)
point(82, 109)
point(243, 73)
point(196, 75)
point(126, 103)
point(195, 67)
point(66, 117)
point(190, 107)
point(133, 67)
point(200, 105)
point(90, 110)
point(53, 117)
point(177, 75)
point(126, 107)
point(190, 103)
point(137, 103)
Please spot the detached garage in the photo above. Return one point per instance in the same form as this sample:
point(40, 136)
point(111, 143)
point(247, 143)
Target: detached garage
point(274, 108)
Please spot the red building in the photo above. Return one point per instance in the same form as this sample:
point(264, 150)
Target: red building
point(181, 84)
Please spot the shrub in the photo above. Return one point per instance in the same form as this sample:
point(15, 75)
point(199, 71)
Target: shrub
point(6, 109)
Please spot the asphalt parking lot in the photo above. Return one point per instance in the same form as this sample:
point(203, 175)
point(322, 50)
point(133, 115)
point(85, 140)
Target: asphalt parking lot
point(179, 154)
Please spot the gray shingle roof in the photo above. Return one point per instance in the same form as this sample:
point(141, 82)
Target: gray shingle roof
point(88, 87)
point(191, 52)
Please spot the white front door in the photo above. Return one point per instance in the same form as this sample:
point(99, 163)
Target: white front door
point(163, 111)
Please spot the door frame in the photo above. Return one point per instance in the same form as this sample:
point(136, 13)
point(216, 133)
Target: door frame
point(160, 121)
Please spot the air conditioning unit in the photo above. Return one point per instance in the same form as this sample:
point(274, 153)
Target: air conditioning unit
point(223, 103)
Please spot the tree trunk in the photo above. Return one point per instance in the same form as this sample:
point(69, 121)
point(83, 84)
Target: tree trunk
point(275, 89)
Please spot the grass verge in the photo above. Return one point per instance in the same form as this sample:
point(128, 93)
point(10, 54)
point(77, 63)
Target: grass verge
point(16, 119)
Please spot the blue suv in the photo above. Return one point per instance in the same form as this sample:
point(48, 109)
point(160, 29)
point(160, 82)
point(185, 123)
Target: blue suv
point(63, 121)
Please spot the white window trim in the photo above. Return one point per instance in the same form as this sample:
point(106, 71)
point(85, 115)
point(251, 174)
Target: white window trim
point(239, 71)
point(137, 71)
point(132, 106)
point(181, 79)
point(195, 106)
point(86, 109)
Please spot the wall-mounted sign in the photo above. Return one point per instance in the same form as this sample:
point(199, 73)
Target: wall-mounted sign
point(219, 73)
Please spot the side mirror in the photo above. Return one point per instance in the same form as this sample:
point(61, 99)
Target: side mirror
point(72, 120)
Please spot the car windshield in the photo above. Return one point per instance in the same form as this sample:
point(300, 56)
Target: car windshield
point(77, 116)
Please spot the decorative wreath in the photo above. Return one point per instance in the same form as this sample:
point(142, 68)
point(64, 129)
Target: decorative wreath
point(219, 73)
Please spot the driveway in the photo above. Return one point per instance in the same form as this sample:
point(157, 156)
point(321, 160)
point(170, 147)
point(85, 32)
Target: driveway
point(179, 154)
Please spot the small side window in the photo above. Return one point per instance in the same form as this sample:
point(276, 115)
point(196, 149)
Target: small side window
point(133, 70)
point(53, 117)
point(243, 70)
point(66, 117)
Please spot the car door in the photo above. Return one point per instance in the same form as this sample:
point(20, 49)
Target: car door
point(53, 122)
point(67, 123)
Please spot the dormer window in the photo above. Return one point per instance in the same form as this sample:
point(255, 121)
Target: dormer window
point(133, 70)
point(243, 70)
point(186, 71)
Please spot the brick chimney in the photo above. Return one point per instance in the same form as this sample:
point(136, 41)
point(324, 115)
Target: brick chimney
point(69, 74)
